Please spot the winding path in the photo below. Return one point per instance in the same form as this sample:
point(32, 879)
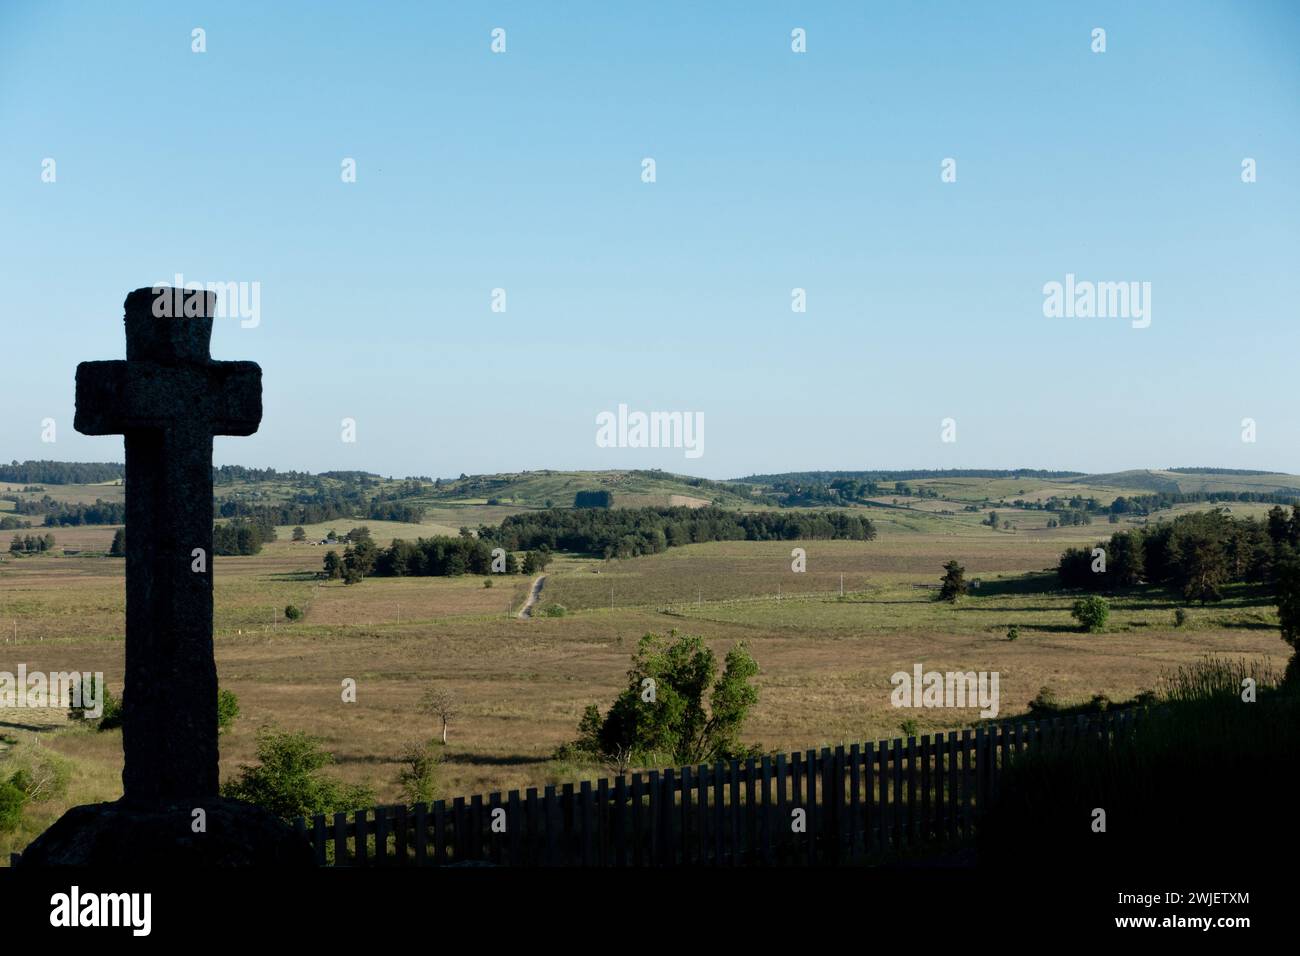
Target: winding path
point(533, 594)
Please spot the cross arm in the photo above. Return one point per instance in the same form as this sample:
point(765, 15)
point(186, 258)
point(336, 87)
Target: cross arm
point(114, 397)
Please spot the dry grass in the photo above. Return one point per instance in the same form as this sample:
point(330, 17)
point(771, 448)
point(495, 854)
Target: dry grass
point(825, 664)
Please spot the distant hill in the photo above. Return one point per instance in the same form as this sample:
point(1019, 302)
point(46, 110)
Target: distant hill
point(1207, 480)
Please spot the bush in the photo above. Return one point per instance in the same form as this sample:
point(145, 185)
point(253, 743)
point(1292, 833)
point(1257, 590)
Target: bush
point(909, 727)
point(554, 610)
point(419, 775)
point(227, 710)
point(1013, 632)
point(1180, 617)
point(487, 582)
point(292, 612)
point(661, 715)
point(1091, 613)
point(1045, 703)
point(110, 716)
point(12, 801)
point(287, 779)
point(954, 582)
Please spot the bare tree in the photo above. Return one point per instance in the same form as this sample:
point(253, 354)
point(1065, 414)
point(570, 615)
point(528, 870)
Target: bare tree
point(440, 702)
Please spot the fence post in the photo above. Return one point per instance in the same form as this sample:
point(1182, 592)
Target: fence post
point(602, 829)
point(702, 811)
point(550, 810)
point(620, 816)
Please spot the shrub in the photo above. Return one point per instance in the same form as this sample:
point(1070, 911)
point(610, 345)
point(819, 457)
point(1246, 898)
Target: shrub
point(1091, 613)
point(1013, 632)
point(554, 610)
point(12, 801)
point(227, 710)
point(110, 716)
point(954, 582)
point(487, 582)
point(419, 775)
point(292, 612)
point(909, 727)
point(1045, 703)
point(662, 716)
point(287, 779)
point(1180, 617)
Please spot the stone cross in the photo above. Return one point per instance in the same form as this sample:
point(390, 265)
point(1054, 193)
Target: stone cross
point(169, 398)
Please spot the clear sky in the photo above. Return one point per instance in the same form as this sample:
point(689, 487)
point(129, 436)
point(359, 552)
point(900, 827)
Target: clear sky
point(774, 170)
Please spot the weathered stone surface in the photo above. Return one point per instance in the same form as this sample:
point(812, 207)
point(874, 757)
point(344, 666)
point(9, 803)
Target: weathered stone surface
point(114, 834)
point(168, 398)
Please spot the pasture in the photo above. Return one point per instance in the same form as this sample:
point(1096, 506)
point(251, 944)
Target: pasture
point(825, 660)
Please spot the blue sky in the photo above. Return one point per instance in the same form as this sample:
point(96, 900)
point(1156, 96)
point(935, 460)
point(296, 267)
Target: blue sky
point(775, 170)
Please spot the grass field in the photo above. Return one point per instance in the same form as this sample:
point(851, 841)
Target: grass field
point(826, 640)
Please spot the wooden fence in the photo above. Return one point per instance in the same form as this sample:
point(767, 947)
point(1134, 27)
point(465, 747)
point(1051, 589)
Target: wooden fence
point(859, 804)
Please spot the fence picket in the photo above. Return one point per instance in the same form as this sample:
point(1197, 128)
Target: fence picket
point(668, 839)
point(515, 826)
point(360, 838)
point(767, 809)
point(751, 813)
point(440, 832)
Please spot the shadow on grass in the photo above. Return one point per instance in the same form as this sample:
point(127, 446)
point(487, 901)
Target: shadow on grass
point(492, 760)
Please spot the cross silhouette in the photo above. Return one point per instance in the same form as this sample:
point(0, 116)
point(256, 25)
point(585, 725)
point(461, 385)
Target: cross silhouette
point(168, 399)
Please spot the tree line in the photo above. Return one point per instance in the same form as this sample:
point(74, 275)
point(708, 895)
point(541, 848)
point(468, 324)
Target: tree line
point(241, 536)
point(322, 505)
point(31, 544)
point(59, 514)
point(61, 472)
point(631, 532)
point(1194, 554)
point(438, 556)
